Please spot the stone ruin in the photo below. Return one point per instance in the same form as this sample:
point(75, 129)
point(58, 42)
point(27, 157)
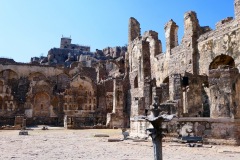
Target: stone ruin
point(70, 87)
point(196, 79)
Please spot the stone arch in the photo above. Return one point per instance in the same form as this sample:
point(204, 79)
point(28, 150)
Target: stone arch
point(8, 74)
point(112, 65)
point(41, 105)
point(222, 60)
point(36, 76)
point(222, 86)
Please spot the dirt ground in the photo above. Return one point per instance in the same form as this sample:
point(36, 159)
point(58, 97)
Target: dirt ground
point(58, 143)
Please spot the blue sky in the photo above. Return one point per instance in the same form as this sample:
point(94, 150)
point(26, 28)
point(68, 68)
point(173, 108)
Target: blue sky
point(30, 28)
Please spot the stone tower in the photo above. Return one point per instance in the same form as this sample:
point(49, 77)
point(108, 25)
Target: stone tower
point(189, 40)
point(134, 29)
point(237, 8)
point(171, 30)
point(65, 42)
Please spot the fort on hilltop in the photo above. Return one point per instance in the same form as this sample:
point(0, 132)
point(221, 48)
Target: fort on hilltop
point(197, 79)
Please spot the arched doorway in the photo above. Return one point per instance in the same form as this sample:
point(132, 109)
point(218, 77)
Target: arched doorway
point(222, 86)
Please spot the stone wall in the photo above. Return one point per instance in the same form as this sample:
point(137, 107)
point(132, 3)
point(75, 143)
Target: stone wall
point(215, 131)
point(198, 77)
point(44, 94)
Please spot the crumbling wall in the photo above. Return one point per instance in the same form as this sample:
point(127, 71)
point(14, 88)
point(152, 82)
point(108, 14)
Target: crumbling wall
point(222, 41)
point(222, 83)
point(199, 76)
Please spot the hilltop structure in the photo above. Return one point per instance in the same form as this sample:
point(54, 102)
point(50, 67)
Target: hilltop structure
point(198, 80)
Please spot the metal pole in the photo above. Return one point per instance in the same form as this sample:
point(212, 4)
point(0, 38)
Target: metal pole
point(156, 119)
point(156, 136)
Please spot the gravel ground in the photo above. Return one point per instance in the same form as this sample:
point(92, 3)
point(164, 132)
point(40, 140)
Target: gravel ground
point(58, 143)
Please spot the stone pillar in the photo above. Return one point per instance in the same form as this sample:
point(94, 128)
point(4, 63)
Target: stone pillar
point(134, 29)
point(116, 118)
point(147, 94)
point(138, 107)
point(146, 65)
point(237, 9)
point(171, 30)
point(118, 97)
point(191, 24)
point(101, 72)
point(189, 40)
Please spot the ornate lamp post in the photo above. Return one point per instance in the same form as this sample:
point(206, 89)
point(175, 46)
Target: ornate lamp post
point(156, 118)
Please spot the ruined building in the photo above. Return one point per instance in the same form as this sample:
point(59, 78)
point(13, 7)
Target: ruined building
point(197, 79)
point(71, 86)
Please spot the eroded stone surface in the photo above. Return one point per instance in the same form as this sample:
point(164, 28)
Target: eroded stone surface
point(199, 77)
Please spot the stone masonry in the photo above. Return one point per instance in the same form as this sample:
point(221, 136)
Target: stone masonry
point(197, 78)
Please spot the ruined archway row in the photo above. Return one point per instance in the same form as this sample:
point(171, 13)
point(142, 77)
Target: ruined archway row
point(45, 98)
